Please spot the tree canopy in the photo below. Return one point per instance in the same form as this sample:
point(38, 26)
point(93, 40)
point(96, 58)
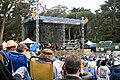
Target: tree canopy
point(104, 24)
point(11, 12)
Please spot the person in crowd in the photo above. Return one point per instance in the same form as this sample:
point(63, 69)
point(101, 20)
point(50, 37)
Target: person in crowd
point(91, 67)
point(92, 63)
point(72, 67)
point(111, 61)
point(27, 52)
point(48, 53)
point(5, 59)
point(12, 60)
point(115, 70)
point(20, 74)
point(48, 46)
point(10, 47)
point(112, 53)
point(86, 75)
point(58, 64)
point(54, 47)
point(98, 62)
point(82, 62)
point(103, 71)
point(18, 58)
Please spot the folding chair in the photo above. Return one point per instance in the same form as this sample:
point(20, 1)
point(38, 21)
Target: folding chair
point(1, 58)
point(18, 60)
point(41, 71)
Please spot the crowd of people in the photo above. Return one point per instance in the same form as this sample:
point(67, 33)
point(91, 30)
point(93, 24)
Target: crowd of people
point(15, 64)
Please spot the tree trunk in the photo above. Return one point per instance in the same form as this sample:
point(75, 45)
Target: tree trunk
point(2, 29)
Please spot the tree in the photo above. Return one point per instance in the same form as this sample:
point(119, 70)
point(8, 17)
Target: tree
point(105, 22)
point(56, 11)
point(110, 20)
point(11, 12)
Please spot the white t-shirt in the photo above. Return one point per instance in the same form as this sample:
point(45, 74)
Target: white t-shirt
point(103, 73)
point(58, 64)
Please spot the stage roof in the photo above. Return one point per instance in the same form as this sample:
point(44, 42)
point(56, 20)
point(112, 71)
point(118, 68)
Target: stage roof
point(57, 20)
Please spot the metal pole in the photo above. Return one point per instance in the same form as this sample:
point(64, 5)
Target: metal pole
point(83, 40)
point(37, 28)
point(23, 29)
point(69, 35)
point(37, 23)
point(64, 35)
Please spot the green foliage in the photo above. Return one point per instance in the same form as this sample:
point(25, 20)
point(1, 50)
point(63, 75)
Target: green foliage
point(11, 12)
point(105, 23)
point(56, 11)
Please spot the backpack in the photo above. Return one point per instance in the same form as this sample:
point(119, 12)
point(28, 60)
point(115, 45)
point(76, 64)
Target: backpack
point(103, 72)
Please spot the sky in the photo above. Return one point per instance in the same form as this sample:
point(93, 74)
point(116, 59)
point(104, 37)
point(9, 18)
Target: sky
point(87, 4)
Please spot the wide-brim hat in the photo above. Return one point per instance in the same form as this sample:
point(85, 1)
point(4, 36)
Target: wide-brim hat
point(47, 51)
point(11, 43)
point(117, 62)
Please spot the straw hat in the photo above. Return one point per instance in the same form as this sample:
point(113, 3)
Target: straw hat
point(11, 43)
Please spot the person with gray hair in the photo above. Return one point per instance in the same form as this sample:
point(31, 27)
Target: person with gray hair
point(72, 67)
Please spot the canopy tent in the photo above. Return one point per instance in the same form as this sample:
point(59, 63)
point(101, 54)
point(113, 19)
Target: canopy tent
point(27, 41)
point(90, 43)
